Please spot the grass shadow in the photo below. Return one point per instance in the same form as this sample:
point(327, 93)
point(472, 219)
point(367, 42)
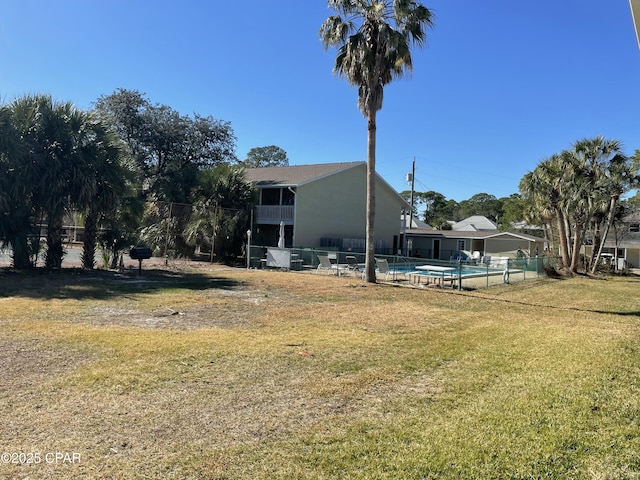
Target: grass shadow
point(78, 284)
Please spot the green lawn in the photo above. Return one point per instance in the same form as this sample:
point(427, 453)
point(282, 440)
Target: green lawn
point(216, 373)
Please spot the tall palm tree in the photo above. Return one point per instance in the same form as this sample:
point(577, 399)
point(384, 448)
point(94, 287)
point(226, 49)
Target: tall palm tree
point(105, 175)
point(23, 178)
point(61, 128)
point(222, 203)
point(544, 188)
point(54, 169)
point(589, 161)
point(15, 209)
point(619, 176)
point(374, 39)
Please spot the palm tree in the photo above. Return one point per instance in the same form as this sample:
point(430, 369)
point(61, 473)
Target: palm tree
point(15, 209)
point(581, 185)
point(222, 203)
point(61, 130)
point(105, 181)
point(57, 170)
point(589, 160)
point(373, 38)
point(619, 177)
point(544, 188)
point(23, 178)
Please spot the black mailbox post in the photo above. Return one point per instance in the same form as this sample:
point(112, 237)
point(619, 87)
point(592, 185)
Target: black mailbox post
point(140, 253)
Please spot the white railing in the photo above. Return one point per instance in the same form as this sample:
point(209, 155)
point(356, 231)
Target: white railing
point(274, 213)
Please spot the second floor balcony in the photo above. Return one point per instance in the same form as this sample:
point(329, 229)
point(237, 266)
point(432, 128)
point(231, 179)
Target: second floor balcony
point(274, 214)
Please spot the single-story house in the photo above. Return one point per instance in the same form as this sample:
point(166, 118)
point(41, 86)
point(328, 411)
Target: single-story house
point(323, 206)
point(444, 244)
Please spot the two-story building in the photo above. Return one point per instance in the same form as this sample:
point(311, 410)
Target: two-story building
point(324, 206)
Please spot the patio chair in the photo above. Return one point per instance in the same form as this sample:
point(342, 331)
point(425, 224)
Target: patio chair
point(352, 264)
point(326, 265)
point(383, 269)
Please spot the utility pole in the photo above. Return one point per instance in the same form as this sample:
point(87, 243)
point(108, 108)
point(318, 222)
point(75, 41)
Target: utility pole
point(410, 178)
point(413, 179)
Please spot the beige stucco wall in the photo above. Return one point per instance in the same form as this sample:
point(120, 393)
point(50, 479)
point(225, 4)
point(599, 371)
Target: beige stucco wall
point(335, 207)
point(633, 257)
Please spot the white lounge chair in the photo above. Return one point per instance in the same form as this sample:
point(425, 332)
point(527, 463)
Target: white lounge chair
point(383, 269)
point(326, 265)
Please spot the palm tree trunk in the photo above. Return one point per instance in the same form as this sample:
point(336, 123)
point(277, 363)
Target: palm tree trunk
point(597, 242)
point(20, 251)
point(562, 237)
point(90, 240)
point(568, 229)
point(369, 262)
point(577, 242)
point(54, 242)
point(115, 257)
point(548, 235)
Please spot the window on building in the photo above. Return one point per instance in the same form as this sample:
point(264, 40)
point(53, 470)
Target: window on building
point(288, 196)
point(460, 245)
point(634, 227)
point(270, 196)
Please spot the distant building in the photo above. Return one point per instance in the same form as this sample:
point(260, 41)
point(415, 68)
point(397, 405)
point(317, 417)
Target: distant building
point(324, 206)
point(446, 244)
point(475, 223)
point(623, 242)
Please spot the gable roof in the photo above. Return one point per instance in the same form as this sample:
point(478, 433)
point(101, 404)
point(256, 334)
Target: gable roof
point(416, 223)
point(460, 234)
point(294, 175)
point(475, 223)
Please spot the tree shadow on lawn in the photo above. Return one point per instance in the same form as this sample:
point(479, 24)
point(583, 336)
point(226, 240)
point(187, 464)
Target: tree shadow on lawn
point(78, 284)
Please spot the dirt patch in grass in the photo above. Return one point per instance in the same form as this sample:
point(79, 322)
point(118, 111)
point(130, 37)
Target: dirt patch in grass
point(214, 309)
point(29, 363)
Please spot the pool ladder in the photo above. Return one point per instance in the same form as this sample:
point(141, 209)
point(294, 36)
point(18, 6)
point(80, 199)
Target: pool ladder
point(405, 261)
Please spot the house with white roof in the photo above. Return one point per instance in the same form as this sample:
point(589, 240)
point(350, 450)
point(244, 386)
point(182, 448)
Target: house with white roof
point(324, 206)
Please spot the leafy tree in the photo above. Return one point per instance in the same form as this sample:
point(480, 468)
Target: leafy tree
point(373, 38)
point(513, 210)
point(271, 156)
point(169, 149)
point(481, 204)
point(437, 210)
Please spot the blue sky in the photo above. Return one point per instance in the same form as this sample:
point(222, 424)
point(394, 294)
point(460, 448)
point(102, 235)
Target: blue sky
point(501, 85)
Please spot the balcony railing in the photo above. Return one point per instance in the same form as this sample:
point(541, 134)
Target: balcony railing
point(274, 214)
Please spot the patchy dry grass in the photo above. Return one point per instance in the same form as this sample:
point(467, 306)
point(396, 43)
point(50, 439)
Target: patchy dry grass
point(214, 373)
